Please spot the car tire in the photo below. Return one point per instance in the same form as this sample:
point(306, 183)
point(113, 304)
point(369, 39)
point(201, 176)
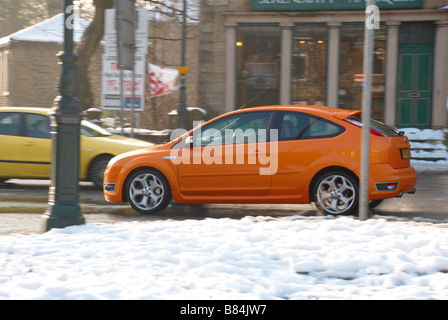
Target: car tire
point(375, 203)
point(148, 191)
point(336, 193)
point(97, 168)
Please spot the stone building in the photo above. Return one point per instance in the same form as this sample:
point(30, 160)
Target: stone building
point(261, 52)
point(29, 68)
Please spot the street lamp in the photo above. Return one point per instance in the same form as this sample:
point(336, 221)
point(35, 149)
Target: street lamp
point(63, 200)
point(182, 108)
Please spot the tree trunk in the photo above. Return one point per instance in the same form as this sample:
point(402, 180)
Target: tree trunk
point(89, 43)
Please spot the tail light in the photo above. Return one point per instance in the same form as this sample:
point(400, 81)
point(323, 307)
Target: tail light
point(386, 186)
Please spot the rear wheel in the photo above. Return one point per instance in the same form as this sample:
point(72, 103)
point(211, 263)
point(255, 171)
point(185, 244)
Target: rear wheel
point(148, 191)
point(375, 203)
point(336, 193)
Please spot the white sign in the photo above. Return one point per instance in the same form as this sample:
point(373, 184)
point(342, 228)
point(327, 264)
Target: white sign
point(162, 80)
point(110, 97)
point(141, 32)
point(217, 2)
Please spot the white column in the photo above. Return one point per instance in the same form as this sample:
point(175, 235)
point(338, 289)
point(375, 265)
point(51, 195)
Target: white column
point(230, 92)
point(390, 85)
point(286, 63)
point(440, 90)
point(333, 63)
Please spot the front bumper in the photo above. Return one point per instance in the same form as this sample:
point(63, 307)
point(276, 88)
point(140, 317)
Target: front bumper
point(111, 186)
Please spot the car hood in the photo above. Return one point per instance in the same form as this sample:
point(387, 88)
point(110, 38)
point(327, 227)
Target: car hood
point(144, 151)
point(129, 141)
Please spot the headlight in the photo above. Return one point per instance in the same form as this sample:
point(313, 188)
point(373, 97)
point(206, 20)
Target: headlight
point(111, 162)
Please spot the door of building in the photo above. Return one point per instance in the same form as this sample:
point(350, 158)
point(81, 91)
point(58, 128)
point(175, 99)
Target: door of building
point(414, 87)
point(415, 74)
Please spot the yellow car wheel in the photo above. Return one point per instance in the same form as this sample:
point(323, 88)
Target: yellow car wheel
point(97, 168)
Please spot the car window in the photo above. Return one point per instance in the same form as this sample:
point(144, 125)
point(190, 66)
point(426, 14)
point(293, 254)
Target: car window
point(37, 126)
point(90, 129)
point(10, 123)
point(297, 125)
point(237, 128)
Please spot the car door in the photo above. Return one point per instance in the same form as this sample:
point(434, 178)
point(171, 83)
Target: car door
point(221, 159)
point(10, 141)
point(303, 139)
point(36, 146)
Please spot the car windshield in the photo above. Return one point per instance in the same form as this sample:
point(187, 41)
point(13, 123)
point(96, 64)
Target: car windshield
point(89, 129)
point(385, 130)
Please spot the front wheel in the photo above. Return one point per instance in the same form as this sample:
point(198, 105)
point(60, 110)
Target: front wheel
point(336, 193)
point(148, 191)
point(97, 168)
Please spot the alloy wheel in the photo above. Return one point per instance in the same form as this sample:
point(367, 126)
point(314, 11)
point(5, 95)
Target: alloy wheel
point(146, 192)
point(336, 194)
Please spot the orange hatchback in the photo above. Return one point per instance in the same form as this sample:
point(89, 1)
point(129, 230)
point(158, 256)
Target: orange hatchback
point(273, 154)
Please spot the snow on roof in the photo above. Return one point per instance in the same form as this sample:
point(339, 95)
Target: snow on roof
point(50, 30)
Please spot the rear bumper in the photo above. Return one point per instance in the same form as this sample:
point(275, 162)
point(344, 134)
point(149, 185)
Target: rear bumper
point(383, 174)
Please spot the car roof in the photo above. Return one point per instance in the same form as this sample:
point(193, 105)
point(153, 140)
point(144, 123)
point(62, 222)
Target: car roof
point(316, 110)
point(25, 109)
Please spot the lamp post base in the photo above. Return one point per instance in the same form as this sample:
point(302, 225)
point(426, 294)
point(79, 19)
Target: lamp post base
point(53, 220)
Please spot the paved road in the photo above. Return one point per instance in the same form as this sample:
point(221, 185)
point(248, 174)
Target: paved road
point(24, 201)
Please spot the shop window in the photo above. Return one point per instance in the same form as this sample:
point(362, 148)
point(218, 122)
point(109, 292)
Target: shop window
point(258, 65)
point(351, 73)
point(417, 32)
point(309, 65)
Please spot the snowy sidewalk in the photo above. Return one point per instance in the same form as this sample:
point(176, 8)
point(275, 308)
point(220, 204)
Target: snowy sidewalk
point(428, 144)
point(251, 258)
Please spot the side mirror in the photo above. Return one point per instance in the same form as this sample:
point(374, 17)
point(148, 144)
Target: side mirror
point(189, 141)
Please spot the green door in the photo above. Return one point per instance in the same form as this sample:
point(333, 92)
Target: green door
point(414, 87)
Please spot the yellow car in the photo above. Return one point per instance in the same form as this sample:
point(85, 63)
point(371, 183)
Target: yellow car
point(25, 146)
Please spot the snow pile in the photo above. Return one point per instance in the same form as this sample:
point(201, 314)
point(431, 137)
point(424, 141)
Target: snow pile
point(428, 144)
point(252, 258)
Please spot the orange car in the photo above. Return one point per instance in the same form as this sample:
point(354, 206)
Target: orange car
point(273, 154)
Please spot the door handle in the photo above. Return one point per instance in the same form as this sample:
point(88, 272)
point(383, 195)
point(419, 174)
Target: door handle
point(29, 144)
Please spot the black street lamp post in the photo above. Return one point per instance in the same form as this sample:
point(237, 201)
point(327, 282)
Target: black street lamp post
point(182, 121)
point(63, 201)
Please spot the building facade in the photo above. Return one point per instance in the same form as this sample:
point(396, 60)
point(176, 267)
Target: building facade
point(29, 66)
point(262, 52)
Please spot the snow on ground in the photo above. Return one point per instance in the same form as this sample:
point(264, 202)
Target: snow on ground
point(251, 258)
point(428, 143)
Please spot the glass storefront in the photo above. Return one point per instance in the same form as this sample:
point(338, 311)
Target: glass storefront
point(258, 65)
point(309, 65)
point(351, 76)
